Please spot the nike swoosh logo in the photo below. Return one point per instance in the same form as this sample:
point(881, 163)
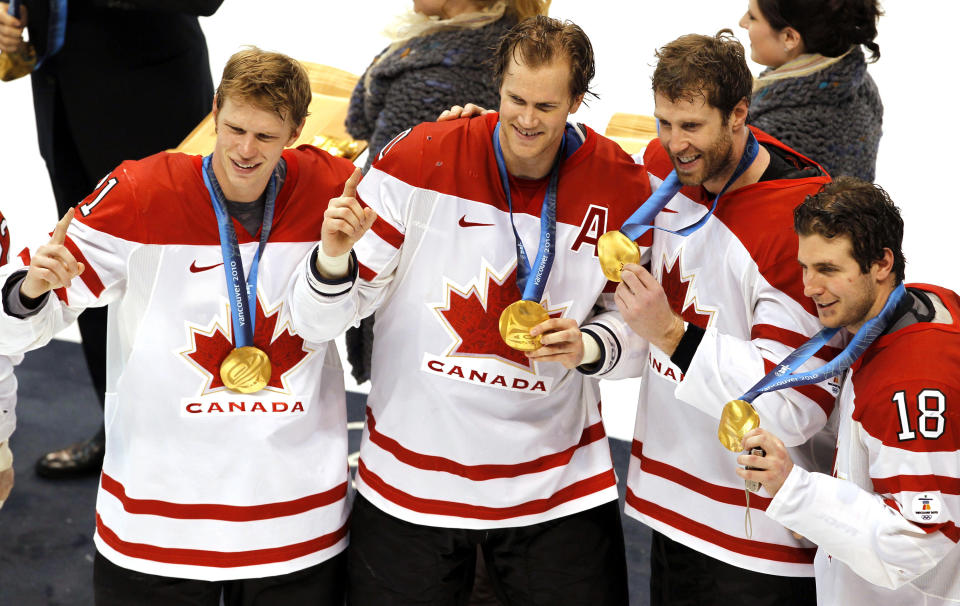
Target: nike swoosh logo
point(196, 270)
point(464, 223)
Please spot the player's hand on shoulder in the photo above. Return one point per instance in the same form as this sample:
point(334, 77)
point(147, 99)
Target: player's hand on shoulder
point(561, 342)
point(11, 28)
point(53, 265)
point(345, 219)
point(467, 111)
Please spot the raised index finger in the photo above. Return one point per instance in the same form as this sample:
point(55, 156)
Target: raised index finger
point(350, 187)
point(60, 231)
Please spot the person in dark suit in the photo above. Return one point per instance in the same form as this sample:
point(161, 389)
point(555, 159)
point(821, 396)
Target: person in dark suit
point(120, 60)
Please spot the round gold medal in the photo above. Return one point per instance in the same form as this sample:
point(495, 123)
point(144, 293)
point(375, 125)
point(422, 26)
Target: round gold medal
point(517, 320)
point(737, 419)
point(245, 370)
point(616, 250)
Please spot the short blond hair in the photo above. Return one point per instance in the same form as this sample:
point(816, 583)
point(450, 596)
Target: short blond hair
point(271, 81)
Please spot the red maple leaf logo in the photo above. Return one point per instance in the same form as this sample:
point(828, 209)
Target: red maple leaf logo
point(476, 322)
point(285, 351)
point(676, 286)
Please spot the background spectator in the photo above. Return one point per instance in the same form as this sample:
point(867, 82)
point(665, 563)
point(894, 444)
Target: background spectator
point(817, 96)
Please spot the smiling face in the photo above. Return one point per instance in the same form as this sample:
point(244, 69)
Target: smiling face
point(844, 295)
point(250, 141)
point(534, 105)
point(698, 142)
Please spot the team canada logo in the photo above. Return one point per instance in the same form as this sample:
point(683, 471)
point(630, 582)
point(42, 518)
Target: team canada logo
point(210, 345)
point(680, 290)
point(477, 354)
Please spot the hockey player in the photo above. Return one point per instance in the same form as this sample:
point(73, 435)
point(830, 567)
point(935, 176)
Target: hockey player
point(8, 391)
point(714, 311)
point(886, 522)
point(225, 470)
point(467, 441)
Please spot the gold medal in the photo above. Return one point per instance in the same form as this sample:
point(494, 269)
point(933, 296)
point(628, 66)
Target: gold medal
point(517, 320)
point(616, 250)
point(245, 370)
point(737, 419)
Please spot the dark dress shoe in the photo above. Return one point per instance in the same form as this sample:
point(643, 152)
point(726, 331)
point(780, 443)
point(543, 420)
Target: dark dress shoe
point(77, 460)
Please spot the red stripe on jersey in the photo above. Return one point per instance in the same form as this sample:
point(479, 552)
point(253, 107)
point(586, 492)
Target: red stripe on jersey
point(227, 513)
point(366, 274)
point(715, 492)
point(89, 276)
point(756, 549)
point(951, 531)
point(572, 492)
point(387, 232)
point(479, 473)
point(788, 337)
point(916, 483)
point(824, 399)
point(218, 559)
point(25, 256)
point(61, 293)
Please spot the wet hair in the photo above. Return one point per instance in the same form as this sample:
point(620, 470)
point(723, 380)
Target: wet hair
point(271, 81)
point(711, 67)
point(539, 41)
point(858, 209)
point(827, 27)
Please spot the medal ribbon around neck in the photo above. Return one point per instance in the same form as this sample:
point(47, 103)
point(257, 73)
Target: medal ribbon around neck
point(617, 248)
point(519, 317)
point(246, 369)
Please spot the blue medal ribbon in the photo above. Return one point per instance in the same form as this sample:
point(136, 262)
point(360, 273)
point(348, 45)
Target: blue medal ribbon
point(241, 290)
point(783, 375)
point(533, 282)
point(642, 219)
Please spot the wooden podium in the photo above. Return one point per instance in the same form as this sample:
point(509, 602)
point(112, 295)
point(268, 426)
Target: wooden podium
point(632, 131)
point(324, 127)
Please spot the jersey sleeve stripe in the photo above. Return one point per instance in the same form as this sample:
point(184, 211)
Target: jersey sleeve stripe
point(721, 494)
point(227, 513)
point(823, 398)
point(218, 559)
point(571, 492)
point(791, 338)
point(480, 473)
point(89, 275)
point(916, 483)
point(388, 233)
point(756, 549)
point(25, 257)
point(366, 274)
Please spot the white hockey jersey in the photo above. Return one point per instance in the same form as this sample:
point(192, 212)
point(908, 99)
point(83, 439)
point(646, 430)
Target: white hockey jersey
point(737, 278)
point(462, 431)
point(199, 482)
point(887, 521)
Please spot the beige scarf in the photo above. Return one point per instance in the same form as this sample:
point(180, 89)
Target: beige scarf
point(803, 65)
